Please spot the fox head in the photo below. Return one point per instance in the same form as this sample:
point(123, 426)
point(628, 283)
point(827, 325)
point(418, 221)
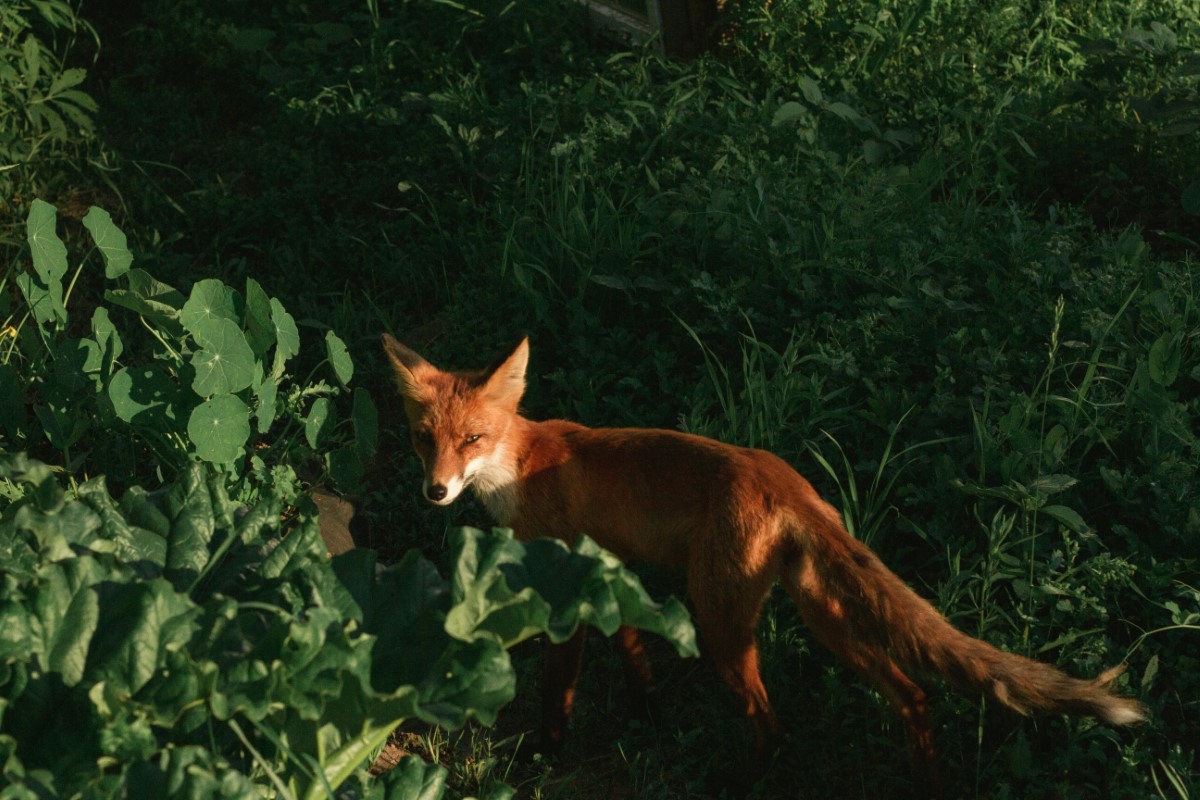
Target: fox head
point(459, 420)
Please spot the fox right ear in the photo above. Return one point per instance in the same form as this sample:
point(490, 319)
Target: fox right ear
point(505, 379)
point(407, 365)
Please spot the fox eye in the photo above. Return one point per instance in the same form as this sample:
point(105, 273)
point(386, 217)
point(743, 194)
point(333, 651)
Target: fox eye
point(423, 436)
point(473, 438)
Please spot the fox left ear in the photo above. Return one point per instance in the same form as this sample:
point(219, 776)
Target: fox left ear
point(505, 382)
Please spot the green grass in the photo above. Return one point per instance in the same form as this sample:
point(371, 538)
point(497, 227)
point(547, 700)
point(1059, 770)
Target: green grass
point(942, 253)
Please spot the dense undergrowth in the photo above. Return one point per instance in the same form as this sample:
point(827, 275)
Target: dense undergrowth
point(941, 257)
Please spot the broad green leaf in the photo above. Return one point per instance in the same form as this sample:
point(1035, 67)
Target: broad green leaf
point(138, 508)
point(187, 771)
point(33, 60)
point(1165, 358)
point(78, 107)
point(414, 779)
point(287, 337)
point(1047, 485)
point(45, 302)
point(1067, 516)
point(226, 364)
point(120, 524)
point(111, 241)
point(68, 612)
point(421, 782)
point(317, 656)
point(66, 79)
point(146, 396)
point(1150, 673)
point(127, 737)
point(812, 92)
point(210, 303)
point(370, 590)
point(248, 682)
point(319, 422)
point(108, 341)
point(851, 115)
point(146, 286)
point(264, 406)
point(25, 471)
point(335, 349)
point(12, 400)
point(176, 696)
point(192, 521)
point(141, 620)
point(196, 506)
point(42, 715)
point(49, 253)
point(472, 680)
point(17, 637)
point(68, 376)
point(1149, 394)
point(404, 605)
point(1158, 40)
point(149, 297)
point(366, 424)
point(61, 422)
point(219, 428)
point(345, 467)
point(508, 590)
point(791, 112)
point(260, 330)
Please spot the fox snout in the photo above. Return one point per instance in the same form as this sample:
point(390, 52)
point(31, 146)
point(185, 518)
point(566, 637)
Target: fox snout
point(442, 491)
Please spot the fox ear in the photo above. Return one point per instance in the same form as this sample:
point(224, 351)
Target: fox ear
point(407, 365)
point(505, 382)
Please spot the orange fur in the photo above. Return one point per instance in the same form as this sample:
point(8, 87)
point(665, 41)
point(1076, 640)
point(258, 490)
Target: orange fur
point(736, 519)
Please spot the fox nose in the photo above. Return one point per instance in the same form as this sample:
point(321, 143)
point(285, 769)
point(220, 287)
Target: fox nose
point(436, 492)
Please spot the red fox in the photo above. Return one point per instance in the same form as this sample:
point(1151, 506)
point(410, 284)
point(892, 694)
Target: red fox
point(736, 519)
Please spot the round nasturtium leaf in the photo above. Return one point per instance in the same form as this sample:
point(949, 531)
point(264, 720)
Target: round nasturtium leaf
point(219, 428)
point(111, 242)
point(265, 396)
point(260, 329)
point(210, 301)
point(49, 252)
point(287, 336)
point(335, 348)
point(144, 396)
point(319, 423)
point(226, 364)
point(108, 339)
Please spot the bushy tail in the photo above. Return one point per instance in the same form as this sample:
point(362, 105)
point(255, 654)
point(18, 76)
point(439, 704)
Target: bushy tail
point(892, 621)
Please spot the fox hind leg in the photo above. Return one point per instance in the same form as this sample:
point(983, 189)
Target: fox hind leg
point(638, 675)
point(909, 701)
point(726, 616)
point(562, 667)
point(561, 674)
point(826, 618)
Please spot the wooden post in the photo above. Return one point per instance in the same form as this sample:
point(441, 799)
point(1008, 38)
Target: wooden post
point(685, 27)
